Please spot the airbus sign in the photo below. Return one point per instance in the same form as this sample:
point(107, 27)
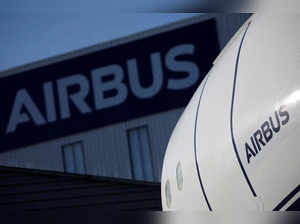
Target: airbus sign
point(137, 78)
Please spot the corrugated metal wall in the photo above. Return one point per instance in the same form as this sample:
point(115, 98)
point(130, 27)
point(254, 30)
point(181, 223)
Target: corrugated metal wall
point(106, 149)
point(38, 191)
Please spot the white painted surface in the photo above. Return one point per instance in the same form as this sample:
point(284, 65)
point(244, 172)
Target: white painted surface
point(267, 78)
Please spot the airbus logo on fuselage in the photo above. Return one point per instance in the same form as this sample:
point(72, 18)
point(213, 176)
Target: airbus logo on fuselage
point(262, 136)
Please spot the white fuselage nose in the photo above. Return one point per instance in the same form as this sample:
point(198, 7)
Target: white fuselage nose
point(236, 144)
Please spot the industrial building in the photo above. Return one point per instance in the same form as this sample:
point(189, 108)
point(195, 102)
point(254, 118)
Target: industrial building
point(109, 110)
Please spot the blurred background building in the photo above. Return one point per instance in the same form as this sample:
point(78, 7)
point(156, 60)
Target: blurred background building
point(87, 131)
point(157, 72)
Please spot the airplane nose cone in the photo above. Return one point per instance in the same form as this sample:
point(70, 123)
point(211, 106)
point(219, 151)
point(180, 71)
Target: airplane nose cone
point(235, 146)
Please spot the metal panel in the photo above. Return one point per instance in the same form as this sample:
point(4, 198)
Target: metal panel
point(106, 149)
point(32, 192)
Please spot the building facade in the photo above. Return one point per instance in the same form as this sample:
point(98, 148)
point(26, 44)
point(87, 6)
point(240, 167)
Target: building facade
point(128, 136)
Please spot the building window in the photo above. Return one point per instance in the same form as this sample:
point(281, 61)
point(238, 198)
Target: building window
point(73, 158)
point(139, 146)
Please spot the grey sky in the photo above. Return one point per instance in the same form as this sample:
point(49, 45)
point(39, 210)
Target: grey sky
point(28, 34)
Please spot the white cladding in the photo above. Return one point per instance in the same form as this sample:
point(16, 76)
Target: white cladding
point(106, 149)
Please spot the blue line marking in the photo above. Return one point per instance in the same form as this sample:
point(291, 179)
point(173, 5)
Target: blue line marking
point(195, 147)
point(231, 114)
